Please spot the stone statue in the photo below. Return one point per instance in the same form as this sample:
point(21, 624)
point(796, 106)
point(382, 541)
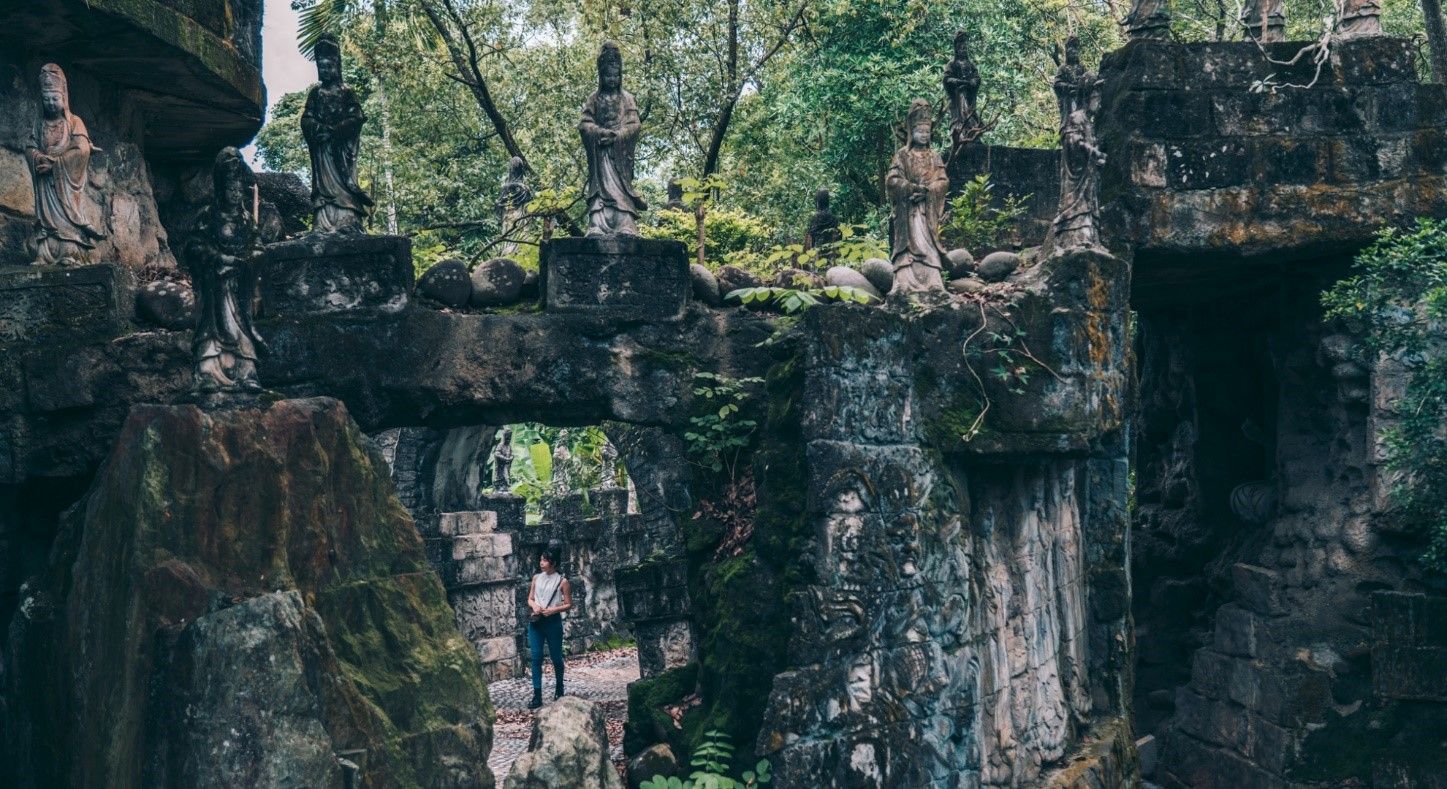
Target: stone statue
point(68, 221)
point(220, 255)
point(1360, 18)
point(1148, 20)
point(916, 185)
point(1078, 92)
point(962, 84)
point(823, 225)
point(675, 196)
point(609, 129)
point(332, 122)
point(502, 462)
point(562, 475)
point(1265, 20)
point(512, 202)
point(609, 470)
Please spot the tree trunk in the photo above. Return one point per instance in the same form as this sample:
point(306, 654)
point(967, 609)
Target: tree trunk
point(471, 76)
point(1436, 38)
point(386, 120)
point(699, 215)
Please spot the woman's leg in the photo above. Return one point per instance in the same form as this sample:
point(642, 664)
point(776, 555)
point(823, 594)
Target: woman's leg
point(535, 651)
point(555, 651)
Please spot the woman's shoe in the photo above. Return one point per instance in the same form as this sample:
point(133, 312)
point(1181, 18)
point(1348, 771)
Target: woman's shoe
point(537, 700)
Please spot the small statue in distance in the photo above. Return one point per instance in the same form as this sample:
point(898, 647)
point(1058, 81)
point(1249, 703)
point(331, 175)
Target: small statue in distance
point(1148, 20)
point(1078, 92)
point(68, 220)
point(962, 85)
point(332, 123)
point(823, 225)
point(502, 462)
point(512, 202)
point(1265, 20)
point(916, 185)
point(675, 196)
point(221, 255)
point(609, 128)
point(1360, 18)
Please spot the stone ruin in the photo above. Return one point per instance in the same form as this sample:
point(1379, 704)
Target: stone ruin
point(946, 579)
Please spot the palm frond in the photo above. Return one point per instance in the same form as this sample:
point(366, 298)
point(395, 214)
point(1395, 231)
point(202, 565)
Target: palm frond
point(318, 19)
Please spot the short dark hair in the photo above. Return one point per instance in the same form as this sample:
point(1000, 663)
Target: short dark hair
point(551, 553)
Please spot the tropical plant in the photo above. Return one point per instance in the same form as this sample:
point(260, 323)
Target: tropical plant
point(722, 424)
point(976, 221)
point(1396, 302)
point(710, 768)
point(792, 300)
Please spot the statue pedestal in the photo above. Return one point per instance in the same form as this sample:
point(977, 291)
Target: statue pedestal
point(43, 304)
point(333, 272)
point(618, 277)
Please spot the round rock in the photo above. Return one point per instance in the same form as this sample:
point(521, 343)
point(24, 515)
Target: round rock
point(961, 262)
point(879, 273)
point(657, 760)
point(732, 278)
point(166, 303)
point(531, 285)
point(446, 283)
point(965, 285)
point(705, 285)
point(997, 266)
point(796, 278)
point(844, 276)
point(497, 282)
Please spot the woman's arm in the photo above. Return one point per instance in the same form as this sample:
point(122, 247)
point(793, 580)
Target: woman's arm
point(533, 604)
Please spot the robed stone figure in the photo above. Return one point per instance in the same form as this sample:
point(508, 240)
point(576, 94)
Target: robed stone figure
point(221, 255)
point(609, 129)
point(962, 85)
point(916, 185)
point(1078, 92)
point(68, 221)
point(332, 122)
point(512, 203)
point(823, 228)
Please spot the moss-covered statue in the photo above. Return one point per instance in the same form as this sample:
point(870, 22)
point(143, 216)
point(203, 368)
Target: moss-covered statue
point(609, 129)
point(916, 185)
point(68, 222)
point(1078, 92)
point(332, 122)
point(962, 85)
point(823, 228)
point(221, 256)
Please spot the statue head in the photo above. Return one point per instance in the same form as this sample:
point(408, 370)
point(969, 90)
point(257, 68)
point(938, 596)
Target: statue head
point(328, 56)
point(1072, 51)
point(821, 200)
point(232, 181)
point(517, 169)
point(921, 123)
point(54, 92)
point(962, 45)
point(610, 68)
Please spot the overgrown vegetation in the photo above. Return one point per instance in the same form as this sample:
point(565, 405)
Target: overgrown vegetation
point(723, 425)
point(975, 221)
point(711, 762)
point(1396, 302)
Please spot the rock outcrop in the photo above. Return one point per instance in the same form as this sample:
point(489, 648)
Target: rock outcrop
point(241, 596)
point(569, 747)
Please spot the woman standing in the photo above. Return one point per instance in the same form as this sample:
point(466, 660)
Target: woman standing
point(549, 596)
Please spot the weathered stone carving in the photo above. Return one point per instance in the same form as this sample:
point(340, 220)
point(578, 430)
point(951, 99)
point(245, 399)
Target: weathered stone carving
point(962, 84)
point(1078, 91)
point(68, 220)
point(502, 462)
point(332, 122)
point(512, 202)
point(675, 195)
point(823, 225)
point(609, 129)
point(221, 256)
point(916, 184)
point(1360, 18)
point(609, 470)
point(1265, 20)
point(1148, 20)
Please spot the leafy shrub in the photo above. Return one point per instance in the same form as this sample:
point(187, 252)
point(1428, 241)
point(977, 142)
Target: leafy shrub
point(975, 222)
point(711, 766)
point(1396, 301)
point(728, 230)
point(792, 300)
point(721, 427)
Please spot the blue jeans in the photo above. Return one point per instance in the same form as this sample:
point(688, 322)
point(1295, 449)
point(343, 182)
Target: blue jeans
point(549, 628)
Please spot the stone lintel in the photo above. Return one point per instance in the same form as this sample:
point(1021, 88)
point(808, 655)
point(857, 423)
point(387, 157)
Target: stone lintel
point(324, 273)
point(618, 277)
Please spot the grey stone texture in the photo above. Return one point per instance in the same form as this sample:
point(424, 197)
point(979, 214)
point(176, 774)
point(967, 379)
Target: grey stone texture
point(42, 305)
point(497, 282)
point(324, 272)
point(617, 277)
point(448, 283)
point(569, 748)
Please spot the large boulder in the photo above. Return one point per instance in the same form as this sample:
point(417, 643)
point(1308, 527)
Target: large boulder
point(568, 747)
point(705, 285)
point(879, 273)
point(844, 276)
point(997, 266)
point(497, 282)
point(448, 283)
point(960, 262)
point(167, 303)
point(291, 197)
point(196, 510)
point(732, 278)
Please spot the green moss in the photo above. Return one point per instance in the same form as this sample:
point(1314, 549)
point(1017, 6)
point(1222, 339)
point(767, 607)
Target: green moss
point(648, 722)
point(954, 421)
point(680, 361)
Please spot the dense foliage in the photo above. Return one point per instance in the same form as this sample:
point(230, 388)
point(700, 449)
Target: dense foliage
point(1397, 302)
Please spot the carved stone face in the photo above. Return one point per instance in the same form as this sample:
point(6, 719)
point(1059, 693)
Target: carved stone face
point(919, 136)
point(233, 193)
point(610, 77)
point(1072, 51)
point(52, 103)
point(962, 48)
point(329, 68)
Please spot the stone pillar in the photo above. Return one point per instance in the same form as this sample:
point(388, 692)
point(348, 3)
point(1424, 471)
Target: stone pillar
point(1148, 20)
point(1359, 18)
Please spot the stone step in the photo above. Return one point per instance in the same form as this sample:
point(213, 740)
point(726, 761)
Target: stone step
point(454, 524)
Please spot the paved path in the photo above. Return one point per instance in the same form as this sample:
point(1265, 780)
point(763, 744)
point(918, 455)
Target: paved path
point(602, 677)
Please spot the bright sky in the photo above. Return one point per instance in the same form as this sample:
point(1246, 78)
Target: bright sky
point(282, 66)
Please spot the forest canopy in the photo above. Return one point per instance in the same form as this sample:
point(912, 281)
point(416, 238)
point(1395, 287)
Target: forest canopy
point(773, 98)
